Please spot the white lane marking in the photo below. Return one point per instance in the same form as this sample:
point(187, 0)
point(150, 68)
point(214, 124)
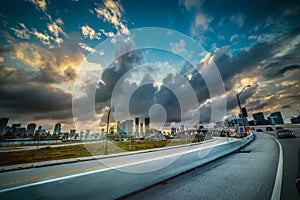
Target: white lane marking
point(278, 180)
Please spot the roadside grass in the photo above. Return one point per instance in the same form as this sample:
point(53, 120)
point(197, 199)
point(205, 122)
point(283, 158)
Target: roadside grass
point(82, 150)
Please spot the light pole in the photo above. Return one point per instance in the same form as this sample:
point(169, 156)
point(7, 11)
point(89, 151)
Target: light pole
point(107, 125)
point(239, 102)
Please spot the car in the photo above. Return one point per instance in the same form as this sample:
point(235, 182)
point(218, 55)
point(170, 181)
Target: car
point(269, 128)
point(279, 128)
point(283, 133)
point(259, 130)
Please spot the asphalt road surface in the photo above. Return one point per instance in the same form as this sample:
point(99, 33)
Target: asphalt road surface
point(93, 179)
point(238, 176)
point(291, 158)
point(248, 174)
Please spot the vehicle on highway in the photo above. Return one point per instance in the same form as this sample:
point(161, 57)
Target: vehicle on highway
point(279, 128)
point(283, 133)
point(259, 130)
point(269, 128)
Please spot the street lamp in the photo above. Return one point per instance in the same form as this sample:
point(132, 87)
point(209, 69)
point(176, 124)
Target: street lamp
point(239, 102)
point(107, 125)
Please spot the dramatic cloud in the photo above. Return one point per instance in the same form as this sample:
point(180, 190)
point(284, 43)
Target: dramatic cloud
point(112, 13)
point(32, 101)
point(53, 66)
point(44, 44)
point(56, 30)
point(44, 38)
point(269, 66)
point(40, 4)
point(22, 33)
point(90, 49)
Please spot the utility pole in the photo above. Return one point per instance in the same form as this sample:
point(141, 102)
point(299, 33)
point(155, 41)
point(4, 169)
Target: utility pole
point(239, 102)
point(107, 126)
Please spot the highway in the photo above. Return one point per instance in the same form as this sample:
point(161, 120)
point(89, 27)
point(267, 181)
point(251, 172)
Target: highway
point(250, 173)
point(106, 178)
point(290, 148)
point(247, 175)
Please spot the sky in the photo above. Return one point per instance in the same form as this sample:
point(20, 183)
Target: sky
point(69, 61)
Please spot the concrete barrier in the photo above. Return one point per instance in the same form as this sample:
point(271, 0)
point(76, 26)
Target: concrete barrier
point(115, 182)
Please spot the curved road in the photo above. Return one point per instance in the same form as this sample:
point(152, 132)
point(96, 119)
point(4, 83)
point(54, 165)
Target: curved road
point(110, 177)
point(247, 175)
point(291, 160)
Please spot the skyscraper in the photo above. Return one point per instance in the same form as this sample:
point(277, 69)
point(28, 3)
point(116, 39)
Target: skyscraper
point(3, 124)
point(125, 126)
point(147, 124)
point(57, 129)
point(14, 127)
point(141, 128)
point(259, 118)
point(276, 118)
point(136, 125)
point(30, 129)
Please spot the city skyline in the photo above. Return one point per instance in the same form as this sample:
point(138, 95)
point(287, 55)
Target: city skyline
point(45, 44)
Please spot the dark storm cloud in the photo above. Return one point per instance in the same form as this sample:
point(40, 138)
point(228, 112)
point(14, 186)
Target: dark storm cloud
point(257, 105)
point(232, 102)
point(261, 54)
point(286, 69)
point(244, 61)
point(168, 100)
point(115, 71)
point(256, 12)
point(142, 99)
point(37, 101)
point(9, 75)
point(52, 66)
point(20, 95)
point(290, 61)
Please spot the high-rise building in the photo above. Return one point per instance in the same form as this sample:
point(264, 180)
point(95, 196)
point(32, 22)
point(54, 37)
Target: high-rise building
point(120, 128)
point(276, 118)
point(72, 132)
point(14, 127)
point(147, 124)
point(3, 124)
point(136, 125)
point(295, 120)
point(259, 118)
point(20, 131)
point(141, 128)
point(128, 126)
point(30, 129)
point(57, 129)
point(125, 126)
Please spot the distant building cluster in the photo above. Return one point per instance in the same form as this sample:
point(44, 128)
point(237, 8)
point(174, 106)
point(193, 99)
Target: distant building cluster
point(259, 119)
point(137, 126)
point(17, 131)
